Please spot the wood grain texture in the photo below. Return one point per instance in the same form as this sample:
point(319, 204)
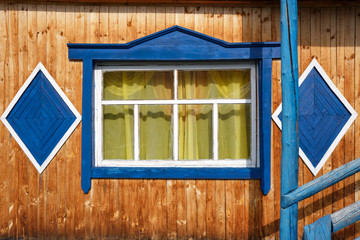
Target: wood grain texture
point(23, 175)
point(357, 108)
point(50, 203)
point(345, 216)
point(54, 203)
point(4, 137)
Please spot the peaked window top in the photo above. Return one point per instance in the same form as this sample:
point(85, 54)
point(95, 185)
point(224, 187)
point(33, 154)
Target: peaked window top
point(175, 43)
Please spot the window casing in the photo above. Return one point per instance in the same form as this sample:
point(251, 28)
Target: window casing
point(176, 103)
point(180, 46)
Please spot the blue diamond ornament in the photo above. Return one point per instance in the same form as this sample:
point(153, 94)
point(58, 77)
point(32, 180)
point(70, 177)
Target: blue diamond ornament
point(40, 117)
point(325, 116)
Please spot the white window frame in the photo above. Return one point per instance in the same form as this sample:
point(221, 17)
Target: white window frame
point(99, 70)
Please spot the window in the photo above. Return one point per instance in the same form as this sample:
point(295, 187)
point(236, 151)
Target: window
point(176, 104)
point(194, 115)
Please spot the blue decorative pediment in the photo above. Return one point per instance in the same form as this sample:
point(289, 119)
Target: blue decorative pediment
point(325, 116)
point(40, 117)
point(175, 43)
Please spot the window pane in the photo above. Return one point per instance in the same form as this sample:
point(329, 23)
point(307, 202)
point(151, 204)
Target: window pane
point(214, 84)
point(118, 132)
point(195, 132)
point(155, 132)
point(234, 131)
point(138, 85)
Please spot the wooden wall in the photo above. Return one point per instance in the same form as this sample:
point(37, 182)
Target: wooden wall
point(53, 204)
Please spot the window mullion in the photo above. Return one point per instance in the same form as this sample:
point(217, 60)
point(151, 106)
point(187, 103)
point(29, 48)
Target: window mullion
point(136, 132)
point(98, 117)
point(176, 119)
point(215, 131)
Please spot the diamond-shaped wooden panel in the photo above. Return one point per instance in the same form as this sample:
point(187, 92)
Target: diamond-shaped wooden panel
point(40, 117)
point(325, 116)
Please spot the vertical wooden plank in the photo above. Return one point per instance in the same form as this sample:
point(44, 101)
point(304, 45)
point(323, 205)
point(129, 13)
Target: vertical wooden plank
point(41, 42)
point(131, 34)
point(325, 59)
point(142, 184)
point(61, 59)
point(357, 109)
point(247, 37)
point(114, 201)
point(161, 184)
point(305, 53)
point(190, 185)
point(95, 198)
point(276, 146)
point(180, 206)
point(254, 191)
point(86, 124)
point(179, 16)
point(23, 175)
point(239, 203)
point(79, 199)
point(315, 53)
point(123, 184)
point(14, 147)
point(349, 68)
point(338, 154)
point(104, 183)
point(268, 200)
point(276, 142)
point(51, 170)
point(5, 135)
point(33, 174)
point(230, 185)
point(70, 92)
point(171, 184)
point(220, 217)
point(200, 188)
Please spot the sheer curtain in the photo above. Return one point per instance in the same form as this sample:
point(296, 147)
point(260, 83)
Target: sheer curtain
point(195, 121)
point(155, 136)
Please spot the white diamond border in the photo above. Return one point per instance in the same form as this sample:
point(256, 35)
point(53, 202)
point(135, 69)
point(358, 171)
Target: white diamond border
point(40, 67)
point(315, 64)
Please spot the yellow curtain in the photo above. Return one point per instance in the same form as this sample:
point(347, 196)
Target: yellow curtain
point(195, 121)
point(234, 133)
point(155, 136)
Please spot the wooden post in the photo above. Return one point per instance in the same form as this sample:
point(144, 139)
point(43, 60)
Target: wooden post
point(289, 138)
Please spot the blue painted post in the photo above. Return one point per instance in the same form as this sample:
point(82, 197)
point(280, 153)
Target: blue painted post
point(265, 123)
point(321, 229)
point(290, 113)
point(86, 143)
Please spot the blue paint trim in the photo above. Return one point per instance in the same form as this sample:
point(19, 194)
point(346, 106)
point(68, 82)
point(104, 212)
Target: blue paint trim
point(40, 118)
point(176, 44)
point(320, 183)
point(87, 128)
point(177, 173)
point(321, 229)
point(290, 114)
point(265, 68)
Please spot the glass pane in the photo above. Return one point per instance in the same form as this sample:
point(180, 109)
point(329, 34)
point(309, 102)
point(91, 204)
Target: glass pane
point(118, 132)
point(195, 132)
point(214, 84)
point(155, 132)
point(136, 85)
point(234, 131)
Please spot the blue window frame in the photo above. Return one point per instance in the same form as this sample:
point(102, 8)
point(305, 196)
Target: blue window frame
point(177, 45)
